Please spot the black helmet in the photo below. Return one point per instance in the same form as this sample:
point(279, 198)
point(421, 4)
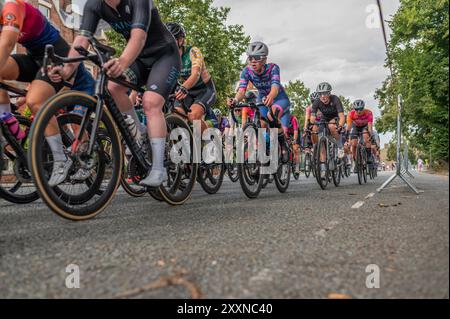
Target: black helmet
point(314, 96)
point(176, 29)
point(359, 105)
point(324, 87)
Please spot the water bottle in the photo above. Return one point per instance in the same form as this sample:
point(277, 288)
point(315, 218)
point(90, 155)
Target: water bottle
point(13, 125)
point(131, 125)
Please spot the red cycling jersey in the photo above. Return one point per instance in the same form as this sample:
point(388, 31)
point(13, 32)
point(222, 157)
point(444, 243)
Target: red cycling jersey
point(359, 120)
point(33, 28)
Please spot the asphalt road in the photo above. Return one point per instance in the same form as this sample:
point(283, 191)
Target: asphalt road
point(307, 243)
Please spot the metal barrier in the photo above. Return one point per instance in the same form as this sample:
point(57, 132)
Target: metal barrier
point(406, 163)
point(401, 170)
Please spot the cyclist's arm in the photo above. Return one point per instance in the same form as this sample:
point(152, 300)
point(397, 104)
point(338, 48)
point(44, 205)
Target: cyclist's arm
point(240, 95)
point(314, 109)
point(275, 81)
point(307, 118)
point(134, 47)
point(197, 62)
point(340, 110)
point(140, 24)
point(8, 40)
point(88, 27)
point(349, 121)
point(10, 28)
point(341, 119)
point(370, 122)
point(243, 84)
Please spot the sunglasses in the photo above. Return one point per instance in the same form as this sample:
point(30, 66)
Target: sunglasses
point(325, 94)
point(256, 58)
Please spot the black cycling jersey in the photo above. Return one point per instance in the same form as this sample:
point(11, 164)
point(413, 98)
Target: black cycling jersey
point(330, 110)
point(130, 14)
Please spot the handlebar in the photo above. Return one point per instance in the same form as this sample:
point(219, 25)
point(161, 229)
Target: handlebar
point(102, 54)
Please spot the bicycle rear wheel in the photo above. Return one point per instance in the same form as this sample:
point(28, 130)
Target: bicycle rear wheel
point(181, 174)
point(308, 165)
point(210, 177)
point(232, 172)
point(16, 184)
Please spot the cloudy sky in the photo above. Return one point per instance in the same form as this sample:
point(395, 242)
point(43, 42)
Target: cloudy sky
point(320, 40)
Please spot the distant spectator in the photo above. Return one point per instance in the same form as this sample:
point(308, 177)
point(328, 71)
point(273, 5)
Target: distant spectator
point(420, 165)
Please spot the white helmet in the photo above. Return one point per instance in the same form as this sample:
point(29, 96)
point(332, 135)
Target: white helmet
point(257, 48)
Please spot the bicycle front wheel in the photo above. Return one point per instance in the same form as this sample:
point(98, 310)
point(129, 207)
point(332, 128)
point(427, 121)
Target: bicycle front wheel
point(40, 163)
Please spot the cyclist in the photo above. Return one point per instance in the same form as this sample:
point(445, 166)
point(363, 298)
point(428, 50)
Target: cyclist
point(22, 23)
point(197, 92)
point(150, 57)
point(251, 96)
point(332, 112)
point(360, 121)
point(223, 124)
point(307, 127)
point(293, 133)
point(375, 140)
point(266, 78)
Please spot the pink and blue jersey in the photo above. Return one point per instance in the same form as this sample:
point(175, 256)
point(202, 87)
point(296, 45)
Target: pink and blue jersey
point(263, 82)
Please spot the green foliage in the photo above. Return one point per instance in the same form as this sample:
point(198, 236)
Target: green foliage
point(346, 103)
point(221, 44)
point(299, 97)
point(419, 52)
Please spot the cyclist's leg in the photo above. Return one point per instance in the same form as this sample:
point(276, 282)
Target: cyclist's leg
point(137, 73)
point(335, 133)
point(354, 141)
point(11, 71)
point(284, 116)
point(367, 142)
point(263, 110)
point(160, 83)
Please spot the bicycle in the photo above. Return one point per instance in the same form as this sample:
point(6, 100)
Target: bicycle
point(333, 165)
point(88, 152)
point(230, 148)
point(249, 172)
point(16, 185)
point(308, 161)
point(16, 156)
point(250, 178)
point(361, 159)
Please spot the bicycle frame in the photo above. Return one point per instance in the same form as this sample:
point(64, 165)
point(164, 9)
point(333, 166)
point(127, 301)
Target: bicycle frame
point(101, 56)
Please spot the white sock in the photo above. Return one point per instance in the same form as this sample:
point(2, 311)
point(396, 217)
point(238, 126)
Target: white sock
point(4, 108)
point(56, 145)
point(158, 146)
point(141, 128)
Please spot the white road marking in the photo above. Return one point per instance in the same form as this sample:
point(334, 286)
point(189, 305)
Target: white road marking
point(370, 196)
point(358, 204)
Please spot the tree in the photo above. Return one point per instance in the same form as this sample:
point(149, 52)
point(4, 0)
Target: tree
point(299, 97)
point(346, 103)
point(221, 44)
point(419, 53)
